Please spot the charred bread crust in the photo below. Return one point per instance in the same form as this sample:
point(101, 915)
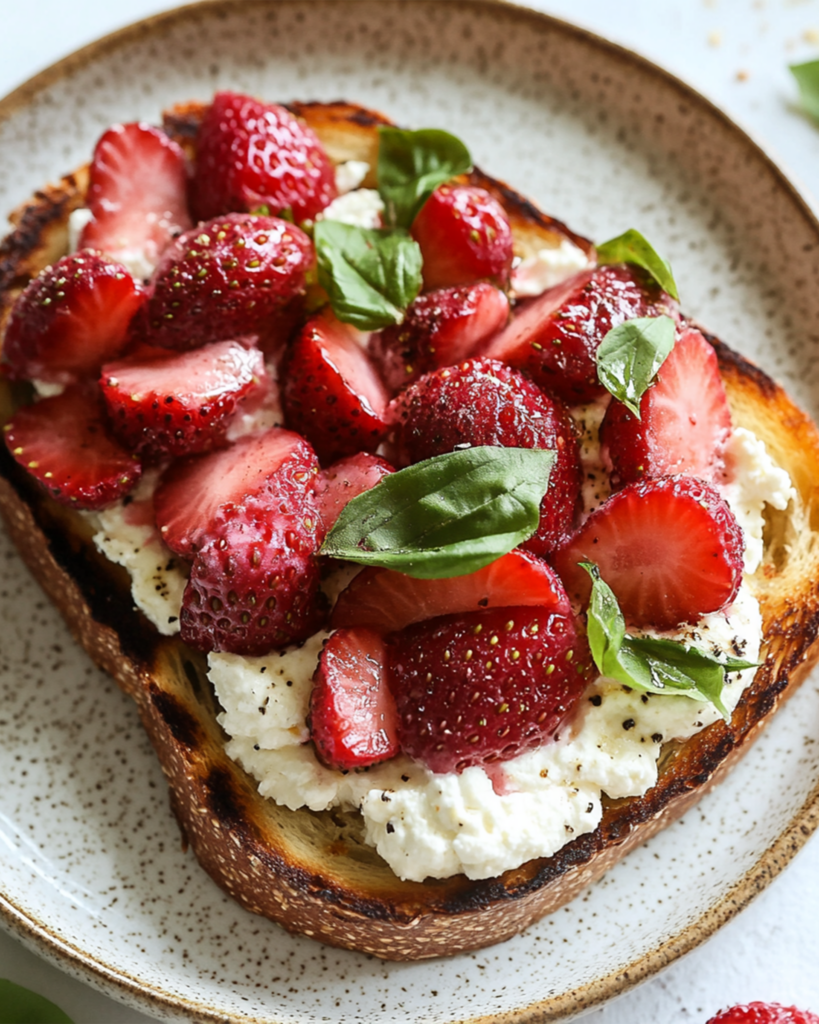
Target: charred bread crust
point(311, 871)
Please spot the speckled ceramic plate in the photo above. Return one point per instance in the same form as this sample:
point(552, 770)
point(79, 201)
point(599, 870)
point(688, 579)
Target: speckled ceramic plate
point(93, 873)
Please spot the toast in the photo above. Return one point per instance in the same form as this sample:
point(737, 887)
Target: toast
point(312, 871)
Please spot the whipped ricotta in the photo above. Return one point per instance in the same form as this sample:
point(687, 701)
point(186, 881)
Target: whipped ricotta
point(546, 268)
point(362, 208)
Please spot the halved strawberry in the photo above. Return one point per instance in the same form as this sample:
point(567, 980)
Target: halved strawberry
point(64, 444)
point(252, 154)
point(670, 549)
point(332, 394)
point(70, 319)
point(353, 721)
point(464, 236)
point(684, 419)
point(167, 403)
point(345, 480)
point(764, 1013)
point(137, 193)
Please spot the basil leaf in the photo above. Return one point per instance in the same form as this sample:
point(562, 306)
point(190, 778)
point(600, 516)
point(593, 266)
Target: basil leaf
point(370, 276)
point(411, 165)
point(20, 1005)
point(631, 354)
point(447, 516)
point(807, 78)
point(632, 247)
point(606, 625)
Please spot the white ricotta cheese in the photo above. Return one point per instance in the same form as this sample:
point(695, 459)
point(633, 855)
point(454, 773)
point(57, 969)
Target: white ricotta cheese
point(361, 208)
point(547, 268)
point(77, 220)
point(350, 174)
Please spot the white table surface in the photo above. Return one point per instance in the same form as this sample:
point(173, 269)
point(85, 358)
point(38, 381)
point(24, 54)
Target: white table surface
point(736, 52)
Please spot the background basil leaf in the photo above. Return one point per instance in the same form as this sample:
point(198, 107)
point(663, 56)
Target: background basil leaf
point(446, 516)
point(20, 1005)
point(632, 247)
point(631, 354)
point(370, 276)
point(807, 78)
point(411, 165)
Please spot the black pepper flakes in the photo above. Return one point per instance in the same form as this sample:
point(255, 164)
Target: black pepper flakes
point(629, 724)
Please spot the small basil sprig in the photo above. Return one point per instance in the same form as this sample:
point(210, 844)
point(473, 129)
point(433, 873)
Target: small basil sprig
point(807, 78)
point(631, 354)
point(646, 663)
point(370, 275)
point(447, 516)
point(411, 165)
point(632, 247)
point(20, 1005)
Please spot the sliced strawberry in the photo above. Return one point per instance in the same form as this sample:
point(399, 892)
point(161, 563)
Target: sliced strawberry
point(345, 480)
point(440, 328)
point(167, 403)
point(764, 1013)
point(464, 236)
point(388, 601)
point(353, 721)
point(224, 279)
point(70, 319)
point(137, 193)
point(332, 394)
point(63, 442)
point(555, 337)
point(252, 154)
point(684, 419)
point(485, 686)
point(670, 549)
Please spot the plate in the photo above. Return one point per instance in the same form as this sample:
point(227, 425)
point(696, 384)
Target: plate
point(93, 873)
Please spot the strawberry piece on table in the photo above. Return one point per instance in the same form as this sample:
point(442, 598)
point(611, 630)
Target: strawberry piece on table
point(670, 549)
point(353, 721)
point(137, 193)
point(484, 402)
point(167, 403)
point(331, 392)
point(764, 1013)
point(555, 337)
point(464, 236)
point(387, 601)
point(440, 328)
point(252, 154)
point(64, 444)
point(486, 686)
point(224, 279)
point(684, 419)
point(70, 320)
point(345, 480)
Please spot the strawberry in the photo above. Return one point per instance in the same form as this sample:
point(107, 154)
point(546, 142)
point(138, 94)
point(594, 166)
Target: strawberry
point(252, 154)
point(482, 401)
point(464, 236)
point(63, 442)
point(137, 193)
point(764, 1013)
point(484, 686)
point(353, 721)
point(167, 403)
point(440, 328)
point(70, 320)
point(386, 600)
point(684, 419)
point(332, 394)
point(670, 549)
point(345, 480)
point(192, 492)
point(555, 337)
point(224, 279)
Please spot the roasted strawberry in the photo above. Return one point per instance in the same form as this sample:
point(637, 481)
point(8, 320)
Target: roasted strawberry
point(224, 279)
point(353, 721)
point(555, 337)
point(764, 1013)
point(670, 549)
point(137, 193)
point(485, 686)
point(331, 392)
point(345, 480)
point(482, 401)
point(70, 319)
point(464, 236)
point(252, 154)
point(168, 403)
point(684, 419)
point(63, 442)
point(440, 328)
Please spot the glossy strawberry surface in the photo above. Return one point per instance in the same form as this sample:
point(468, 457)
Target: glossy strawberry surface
point(764, 1013)
point(346, 479)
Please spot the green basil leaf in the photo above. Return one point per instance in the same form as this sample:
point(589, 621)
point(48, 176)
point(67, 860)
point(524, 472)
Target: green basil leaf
point(447, 516)
point(631, 354)
point(606, 625)
point(632, 247)
point(411, 165)
point(807, 78)
point(20, 1005)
